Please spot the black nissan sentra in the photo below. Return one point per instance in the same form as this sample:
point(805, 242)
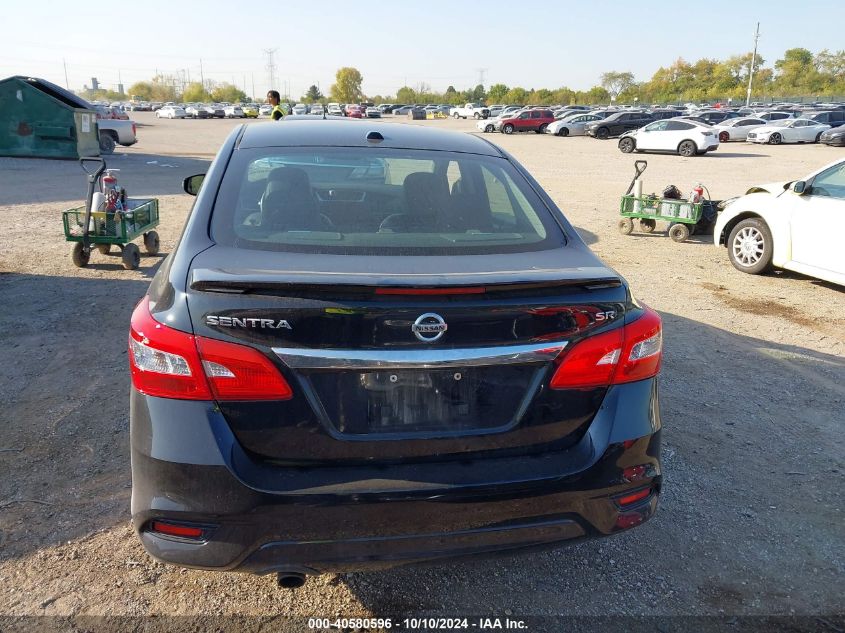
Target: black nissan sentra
point(384, 344)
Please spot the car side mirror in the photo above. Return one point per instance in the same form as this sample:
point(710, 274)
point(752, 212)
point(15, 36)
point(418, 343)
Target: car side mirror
point(799, 187)
point(192, 184)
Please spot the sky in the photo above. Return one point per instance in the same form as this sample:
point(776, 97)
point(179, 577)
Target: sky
point(393, 43)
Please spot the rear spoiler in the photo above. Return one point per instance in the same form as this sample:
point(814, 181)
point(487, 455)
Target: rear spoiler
point(344, 283)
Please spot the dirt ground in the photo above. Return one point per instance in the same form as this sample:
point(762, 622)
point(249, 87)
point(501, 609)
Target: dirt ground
point(751, 520)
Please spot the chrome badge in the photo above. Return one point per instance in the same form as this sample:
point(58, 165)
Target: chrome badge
point(429, 327)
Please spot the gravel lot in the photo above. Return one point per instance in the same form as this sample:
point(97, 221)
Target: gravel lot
point(751, 520)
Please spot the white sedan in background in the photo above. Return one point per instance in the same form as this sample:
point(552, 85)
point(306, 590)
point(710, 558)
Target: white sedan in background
point(737, 129)
point(681, 136)
point(170, 112)
point(794, 225)
point(233, 112)
point(574, 124)
point(788, 131)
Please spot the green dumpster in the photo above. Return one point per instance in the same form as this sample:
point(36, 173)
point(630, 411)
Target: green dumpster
point(42, 120)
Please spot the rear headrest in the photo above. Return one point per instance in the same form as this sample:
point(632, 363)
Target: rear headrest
point(426, 194)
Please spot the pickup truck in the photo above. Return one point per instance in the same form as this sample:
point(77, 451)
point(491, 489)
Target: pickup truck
point(473, 110)
point(115, 132)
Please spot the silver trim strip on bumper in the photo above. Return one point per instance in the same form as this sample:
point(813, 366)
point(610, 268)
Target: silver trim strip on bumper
point(299, 358)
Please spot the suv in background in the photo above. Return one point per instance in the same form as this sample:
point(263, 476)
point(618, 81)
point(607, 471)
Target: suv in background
point(527, 121)
point(833, 118)
point(618, 123)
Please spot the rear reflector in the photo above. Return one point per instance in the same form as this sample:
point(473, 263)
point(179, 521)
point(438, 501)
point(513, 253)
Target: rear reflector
point(626, 354)
point(173, 529)
point(169, 363)
point(632, 497)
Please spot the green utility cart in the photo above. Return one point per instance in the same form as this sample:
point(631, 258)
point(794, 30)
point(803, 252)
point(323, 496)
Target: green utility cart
point(104, 229)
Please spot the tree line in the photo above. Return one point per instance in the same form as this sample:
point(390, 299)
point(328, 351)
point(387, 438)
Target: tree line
point(799, 73)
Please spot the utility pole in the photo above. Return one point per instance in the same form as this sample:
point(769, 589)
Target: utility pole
point(271, 66)
point(202, 76)
point(253, 86)
point(481, 72)
point(751, 71)
point(67, 83)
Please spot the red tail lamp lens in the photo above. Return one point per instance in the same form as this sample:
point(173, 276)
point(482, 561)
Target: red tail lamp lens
point(626, 354)
point(169, 363)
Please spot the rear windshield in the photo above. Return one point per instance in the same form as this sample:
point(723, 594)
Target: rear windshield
point(379, 201)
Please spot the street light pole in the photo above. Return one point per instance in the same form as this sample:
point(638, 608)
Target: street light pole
point(751, 71)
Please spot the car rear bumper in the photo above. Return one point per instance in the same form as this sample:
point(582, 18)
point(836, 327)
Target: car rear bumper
point(187, 468)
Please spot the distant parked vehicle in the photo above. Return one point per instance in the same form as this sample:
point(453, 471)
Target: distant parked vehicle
point(170, 112)
point(403, 110)
point(250, 110)
point(618, 123)
point(470, 110)
point(265, 109)
point(334, 109)
point(233, 112)
point(789, 131)
point(686, 138)
point(834, 136)
point(354, 111)
point(737, 129)
point(775, 116)
point(197, 112)
point(834, 118)
point(575, 124)
point(528, 121)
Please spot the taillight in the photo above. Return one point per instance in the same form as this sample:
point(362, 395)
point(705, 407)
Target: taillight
point(237, 372)
point(626, 354)
point(168, 363)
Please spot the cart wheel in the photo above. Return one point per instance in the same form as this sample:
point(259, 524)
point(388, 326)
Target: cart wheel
point(79, 256)
point(679, 232)
point(647, 226)
point(626, 226)
point(131, 256)
point(151, 242)
point(104, 249)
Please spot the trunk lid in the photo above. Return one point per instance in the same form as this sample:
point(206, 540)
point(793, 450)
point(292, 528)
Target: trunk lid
point(392, 359)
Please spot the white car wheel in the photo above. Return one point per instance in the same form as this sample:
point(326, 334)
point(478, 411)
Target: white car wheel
point(750, 246)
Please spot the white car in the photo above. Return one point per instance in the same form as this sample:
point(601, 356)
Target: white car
point(574, 124)
point(317, 108)
point(334, 109)
point(170, 112)
point(265, 109)
point(794, 225)
point(681, 136)
point(233, 112)
point(300, 108)
point(788, 131)
point(737, 129)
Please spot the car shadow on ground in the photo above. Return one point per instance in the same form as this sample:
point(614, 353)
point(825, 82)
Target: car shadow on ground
point(64, 472)
point(735, 155)
point(142, 175)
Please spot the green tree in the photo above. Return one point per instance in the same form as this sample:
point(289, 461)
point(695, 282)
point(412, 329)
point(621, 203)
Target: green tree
point(406, 95)
point(141, 89)
point(313, 95)
point(516, 96)
point(347, 86)
point(796, 72)
point(497, 93)
point(228, 92)
point(615, 82)
point(195, 93)
point(478, 94)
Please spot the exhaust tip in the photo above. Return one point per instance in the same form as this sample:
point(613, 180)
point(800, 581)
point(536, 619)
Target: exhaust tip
point(289, 580)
